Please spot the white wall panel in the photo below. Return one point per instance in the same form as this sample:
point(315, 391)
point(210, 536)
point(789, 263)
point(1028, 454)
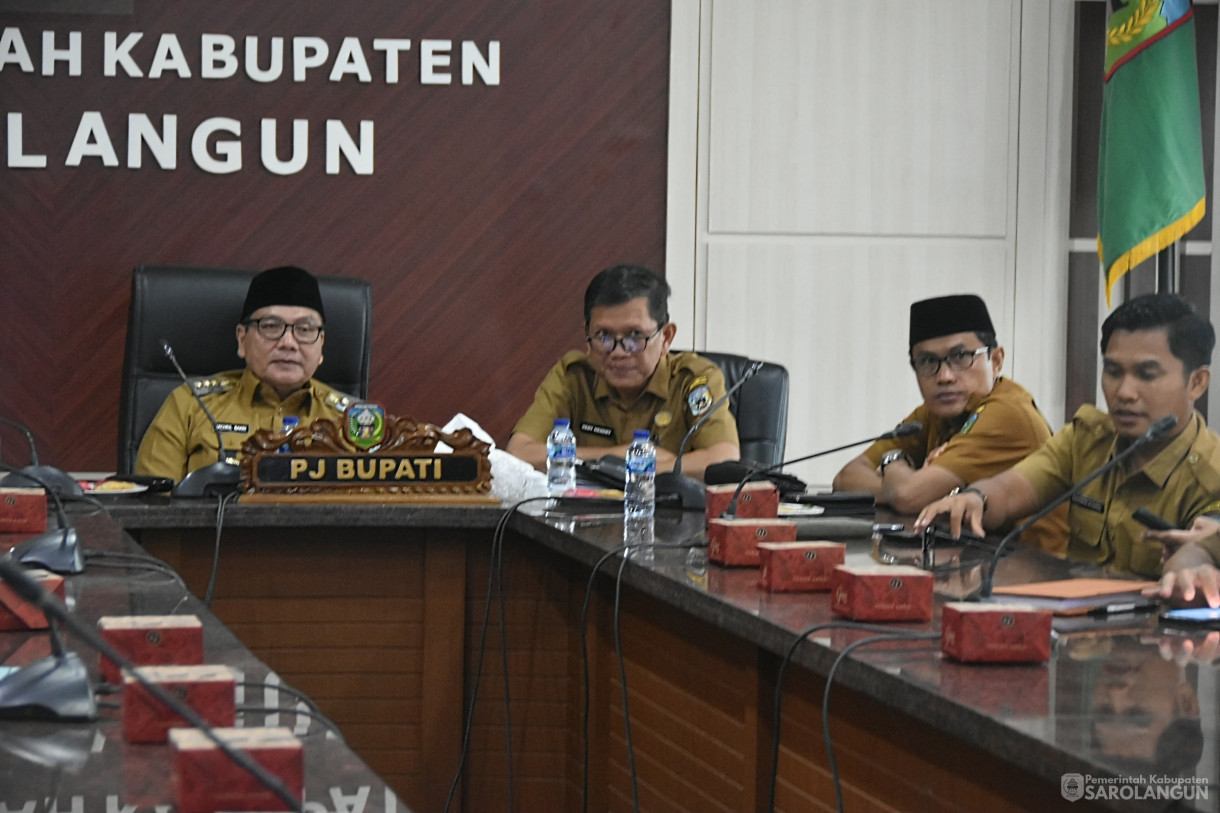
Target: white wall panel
point(835, 314)
point(867, 117)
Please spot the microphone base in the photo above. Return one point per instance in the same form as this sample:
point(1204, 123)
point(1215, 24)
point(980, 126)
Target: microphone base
point(54, 688)
point(690, 492)
point(215, 480)
point(57, 551)
point(59, 481)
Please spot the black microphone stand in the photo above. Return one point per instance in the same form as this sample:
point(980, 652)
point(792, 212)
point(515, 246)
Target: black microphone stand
point(58, 551)
point(53, 688)
point(690, 492)
point(900, 431)
point(216, 478)
point(32, 592)
point(46, 476)
point(1153, 432)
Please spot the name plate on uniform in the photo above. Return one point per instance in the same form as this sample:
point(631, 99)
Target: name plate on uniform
point(365, 456)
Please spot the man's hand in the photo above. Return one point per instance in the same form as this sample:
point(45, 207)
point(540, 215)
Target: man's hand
point(965, 507)
point(1189, 577)
point(1200, 529)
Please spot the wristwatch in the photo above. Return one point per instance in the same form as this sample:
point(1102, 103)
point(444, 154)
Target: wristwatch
point(889, 457)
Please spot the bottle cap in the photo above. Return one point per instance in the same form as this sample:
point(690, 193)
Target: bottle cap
point(643, 434)
point(562, 423)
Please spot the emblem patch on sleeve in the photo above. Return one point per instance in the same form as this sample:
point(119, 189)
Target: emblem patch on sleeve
point(969, 424)
point(698, 397)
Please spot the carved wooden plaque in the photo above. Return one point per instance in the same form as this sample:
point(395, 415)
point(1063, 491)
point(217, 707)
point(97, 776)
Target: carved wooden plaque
point(333, 461)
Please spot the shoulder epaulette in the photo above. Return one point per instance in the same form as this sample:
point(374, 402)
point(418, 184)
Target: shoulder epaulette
point(214, 384)
point(338, 400)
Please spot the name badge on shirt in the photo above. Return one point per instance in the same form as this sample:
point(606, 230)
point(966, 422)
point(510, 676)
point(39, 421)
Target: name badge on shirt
point(1089, 503)
point(594, 429)
point(233, 427)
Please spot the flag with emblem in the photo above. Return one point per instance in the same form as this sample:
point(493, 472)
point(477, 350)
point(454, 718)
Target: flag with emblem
point(1150, 186)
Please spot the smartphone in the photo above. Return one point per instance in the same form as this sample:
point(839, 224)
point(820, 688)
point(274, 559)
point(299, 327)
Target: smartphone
point(1206, 617)
point(1150, 520)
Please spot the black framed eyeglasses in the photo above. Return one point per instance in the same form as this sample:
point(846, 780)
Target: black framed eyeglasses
point(632, 343)
point(273, 328)
point(927, 365)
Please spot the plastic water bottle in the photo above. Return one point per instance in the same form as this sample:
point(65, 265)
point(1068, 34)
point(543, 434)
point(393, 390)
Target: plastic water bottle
point(560, 458)
point(290, 422)
point(639, 496)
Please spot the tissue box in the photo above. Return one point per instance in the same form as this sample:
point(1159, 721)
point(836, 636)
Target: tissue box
point(18, 614)
point(995, 633)
point(792, 567)
point(757, 500)
point(151, 640)
point(206, 780)
point(208, 690)
point(881, 593)
point(735, 541)
point(23, 510)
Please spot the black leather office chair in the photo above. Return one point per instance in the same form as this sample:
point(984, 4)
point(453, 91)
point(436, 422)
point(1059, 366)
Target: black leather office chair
point(760, 407)
point(196, 311)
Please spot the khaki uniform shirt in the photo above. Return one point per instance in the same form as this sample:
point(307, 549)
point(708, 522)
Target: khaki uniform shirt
point(181, 439)
point(1179, 484)
point(681, 389)
point(997, 431)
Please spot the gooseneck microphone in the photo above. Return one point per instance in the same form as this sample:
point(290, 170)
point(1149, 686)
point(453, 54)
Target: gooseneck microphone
point(48, 477)
point(690, 491)
point(34, 593)
point(1154, 432)
point(57, 551)
point(218, 478)
point(902, 430)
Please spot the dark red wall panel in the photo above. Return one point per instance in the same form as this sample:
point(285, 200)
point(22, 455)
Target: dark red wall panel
point(488, 210)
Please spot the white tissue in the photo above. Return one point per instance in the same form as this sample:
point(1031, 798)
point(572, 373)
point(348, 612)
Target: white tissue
point(512, 479)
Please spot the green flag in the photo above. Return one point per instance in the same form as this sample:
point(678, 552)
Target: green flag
point(1150, 187)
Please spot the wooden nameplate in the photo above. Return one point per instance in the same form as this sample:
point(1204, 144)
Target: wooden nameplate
point(366, 456)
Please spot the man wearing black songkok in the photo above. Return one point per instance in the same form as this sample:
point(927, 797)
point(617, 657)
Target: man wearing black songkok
point(975, 422)
point(280, 334)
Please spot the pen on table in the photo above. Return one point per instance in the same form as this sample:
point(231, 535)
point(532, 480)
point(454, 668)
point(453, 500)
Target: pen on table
point(1122, 609)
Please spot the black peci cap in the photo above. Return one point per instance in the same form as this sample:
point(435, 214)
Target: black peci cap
point(946, 315)
point(286, 285)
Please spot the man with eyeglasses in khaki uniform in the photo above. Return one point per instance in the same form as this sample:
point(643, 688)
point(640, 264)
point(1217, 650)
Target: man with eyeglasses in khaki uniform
point(627, 379)
point(976, 423)
point(280, 334)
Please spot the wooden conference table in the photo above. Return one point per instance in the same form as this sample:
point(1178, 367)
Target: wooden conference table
point(86, 767)
point(377, 613)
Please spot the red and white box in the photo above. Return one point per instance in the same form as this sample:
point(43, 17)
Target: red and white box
point(798, 567)
point(881, 593)
point(735, 541)
point(756, 501)
point(206, 780)
point(18, 614)
point(210, 691)
point(995, 633)
point(151, 640)
point(23, 510)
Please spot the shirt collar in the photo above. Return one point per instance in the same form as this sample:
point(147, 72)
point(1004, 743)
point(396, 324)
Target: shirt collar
point(1159, 468)
point(658, 383)
point(254, 391)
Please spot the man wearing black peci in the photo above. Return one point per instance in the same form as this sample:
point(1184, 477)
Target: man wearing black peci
point(280, 334)
point(975, 422)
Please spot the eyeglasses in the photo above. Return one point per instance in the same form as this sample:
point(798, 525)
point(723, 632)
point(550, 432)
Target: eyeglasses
point(632, 343)
point(273, 328)
point(928, 365)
